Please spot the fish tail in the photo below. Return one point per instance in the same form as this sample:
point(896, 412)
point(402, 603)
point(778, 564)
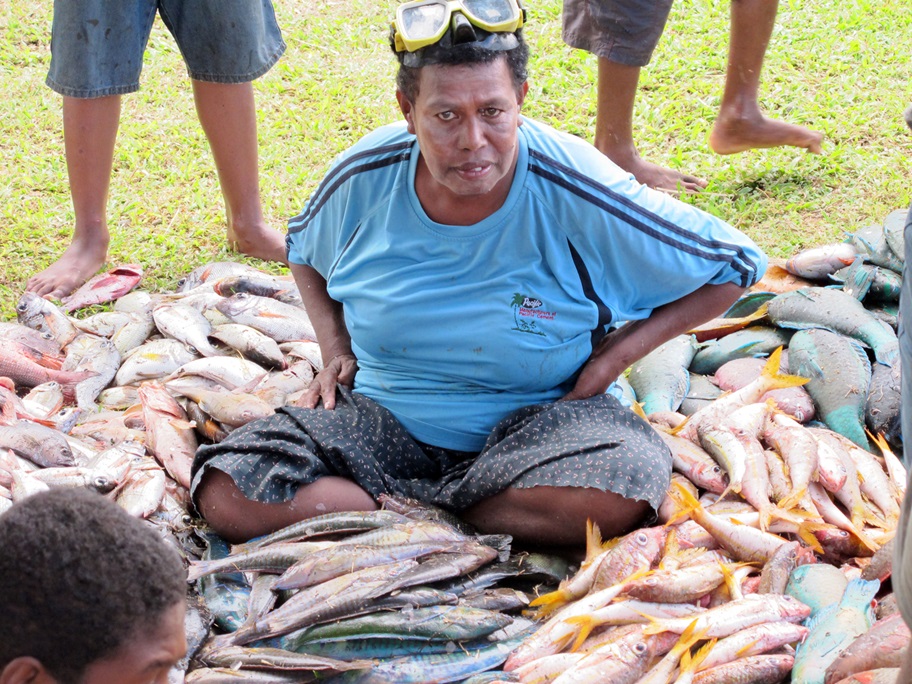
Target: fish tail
point(584, 625)
point(637, 408)
point(550, 602)
point(779, 380)
point(806, 534)
point(691, 663)
point(654, 626)
point(685, 501)
point(793, 500)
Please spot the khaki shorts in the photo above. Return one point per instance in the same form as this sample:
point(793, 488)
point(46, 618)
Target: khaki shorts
point(622, 31)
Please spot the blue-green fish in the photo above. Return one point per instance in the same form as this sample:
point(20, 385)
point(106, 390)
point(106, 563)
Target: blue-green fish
point(660, 379)
point(703, 391)
point(816, 585)
point(757, 340)
point(871, 242)
point(894, 228)
point(822, 307)
point(839, 376)
point(833, 629)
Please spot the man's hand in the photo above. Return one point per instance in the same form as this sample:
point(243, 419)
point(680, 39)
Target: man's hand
point(339, 370)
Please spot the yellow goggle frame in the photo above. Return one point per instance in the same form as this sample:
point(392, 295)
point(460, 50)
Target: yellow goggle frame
point(423, 22)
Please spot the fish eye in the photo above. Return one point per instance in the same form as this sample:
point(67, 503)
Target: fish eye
point(181, 282)
point(22, 306)
point(641, 538)
point(640, 648)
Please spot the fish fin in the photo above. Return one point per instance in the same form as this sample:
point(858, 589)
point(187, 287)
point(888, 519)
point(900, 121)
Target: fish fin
point(637, 408)
point(593, 541)
point(806, 534)
point(685, 500)
point(548, 603)
point(653, 624)
point(777, 379)
point(793, 499)
point(745, 650)
point(584, 625)
point(691, 663)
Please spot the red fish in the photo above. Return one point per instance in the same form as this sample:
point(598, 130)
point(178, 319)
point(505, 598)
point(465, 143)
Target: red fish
point(104, 287)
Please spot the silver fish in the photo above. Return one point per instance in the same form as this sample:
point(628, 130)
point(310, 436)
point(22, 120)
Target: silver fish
point(153, 360)
point(187, 325)
point(95, 354)
point(41, 445)
point(281, 322)
point(41, 315)
point(251, 344)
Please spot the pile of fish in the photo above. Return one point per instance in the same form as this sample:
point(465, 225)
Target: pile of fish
point(834, 308)
point(782, 418)
point(403, 594)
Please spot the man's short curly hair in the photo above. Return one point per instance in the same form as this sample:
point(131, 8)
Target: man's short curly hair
point(468, 53)
point(78, 577)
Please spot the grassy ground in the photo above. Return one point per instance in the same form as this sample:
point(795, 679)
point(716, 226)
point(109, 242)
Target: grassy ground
point(839, 67)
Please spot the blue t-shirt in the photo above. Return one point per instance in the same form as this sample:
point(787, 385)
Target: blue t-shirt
point(454, 327)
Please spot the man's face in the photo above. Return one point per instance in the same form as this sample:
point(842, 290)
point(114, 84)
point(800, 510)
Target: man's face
point(148, 655)
point(466, 118)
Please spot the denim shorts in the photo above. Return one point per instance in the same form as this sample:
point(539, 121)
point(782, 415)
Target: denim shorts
point(621, 31)
point(97, 45)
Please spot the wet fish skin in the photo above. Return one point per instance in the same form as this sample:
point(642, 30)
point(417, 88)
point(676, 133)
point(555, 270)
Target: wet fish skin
point(817, 263)
point(752, 341)
point(153, 360)
point(281, 322)
point(262, 285)
point(273, 558)
point(251, 344)
point(169, 435)
point(839, 377)
point(233, 409)
point(187, 325)
point(142, 493)
point(882, 407)
point(833, 629)
point(213, 271)
point(821, 307)
point(39, 444)
point(762, 669)
point(881, 646)
point(660, 379)
point(39, 314)
point(871, 243)
point(104, 287)
point(96, 355)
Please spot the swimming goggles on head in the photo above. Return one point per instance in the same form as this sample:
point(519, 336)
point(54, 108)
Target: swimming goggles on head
point(424, 22)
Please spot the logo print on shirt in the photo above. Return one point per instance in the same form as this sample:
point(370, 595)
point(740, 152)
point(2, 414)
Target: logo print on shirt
point(527, 312)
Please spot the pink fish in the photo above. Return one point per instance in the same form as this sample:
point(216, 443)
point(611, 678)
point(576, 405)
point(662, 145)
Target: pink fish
point(104, 287)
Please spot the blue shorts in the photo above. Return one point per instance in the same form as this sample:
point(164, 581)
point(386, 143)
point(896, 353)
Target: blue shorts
point(621, 31)
point(97, 45)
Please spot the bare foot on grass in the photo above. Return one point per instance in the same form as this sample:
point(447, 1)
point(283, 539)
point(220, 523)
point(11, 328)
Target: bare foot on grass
point(79, 262)
point(260, 242)
point(655, 176)
point(736, 133)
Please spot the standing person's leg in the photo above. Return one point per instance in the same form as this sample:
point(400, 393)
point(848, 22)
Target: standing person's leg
point(227, 44)
point(91, 70)
point(741, 125)
point(617, 87)
point(89, 133)
point(228, 115)
point(623, 35)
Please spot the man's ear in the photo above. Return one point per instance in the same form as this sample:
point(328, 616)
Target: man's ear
point(25, 670)
point(521, 95)
point(406, 108)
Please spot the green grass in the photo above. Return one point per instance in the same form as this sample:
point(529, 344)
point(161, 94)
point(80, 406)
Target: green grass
point(839, 67)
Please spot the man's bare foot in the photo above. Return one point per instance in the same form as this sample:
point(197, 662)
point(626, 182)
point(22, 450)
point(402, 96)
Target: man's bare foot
point(79, 262)
point(734, 133)
point(260, 242)
point(656, 176)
